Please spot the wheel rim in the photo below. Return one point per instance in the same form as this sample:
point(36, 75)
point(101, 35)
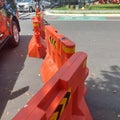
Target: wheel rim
point(30, 9)
point(16, 33)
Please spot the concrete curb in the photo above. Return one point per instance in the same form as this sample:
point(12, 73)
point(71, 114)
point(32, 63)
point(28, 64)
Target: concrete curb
point(82, 13)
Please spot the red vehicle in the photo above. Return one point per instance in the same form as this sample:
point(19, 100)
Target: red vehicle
point(9, 23)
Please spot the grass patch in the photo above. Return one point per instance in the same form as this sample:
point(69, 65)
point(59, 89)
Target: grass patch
point(103, 7)
point(92, 7)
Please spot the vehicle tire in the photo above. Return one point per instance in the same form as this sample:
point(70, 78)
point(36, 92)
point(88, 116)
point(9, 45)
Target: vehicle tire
point(42, 8)
point(30, 9)
point(15, 37)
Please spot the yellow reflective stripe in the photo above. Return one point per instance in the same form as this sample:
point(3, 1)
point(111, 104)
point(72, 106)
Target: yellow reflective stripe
point(84, 64)
point(61, 106)
point(53, 41)
point(37, 15)
point(54, 116)
point(35, 24)
point(68, 50)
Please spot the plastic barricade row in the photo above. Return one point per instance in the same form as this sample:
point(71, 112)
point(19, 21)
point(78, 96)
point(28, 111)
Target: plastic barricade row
point(40, 18)
point(47, 42)
point(59, 50)
point(37, 44)
point(63, 71)
point(62, 97)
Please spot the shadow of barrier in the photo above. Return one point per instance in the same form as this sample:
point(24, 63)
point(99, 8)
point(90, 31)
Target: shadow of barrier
point(62, 97)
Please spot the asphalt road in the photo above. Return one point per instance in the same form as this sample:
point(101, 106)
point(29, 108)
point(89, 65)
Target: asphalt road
point(20, 78)
point(100, 40)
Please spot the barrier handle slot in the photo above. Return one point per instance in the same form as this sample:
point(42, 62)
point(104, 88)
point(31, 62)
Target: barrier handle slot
point(53, 97)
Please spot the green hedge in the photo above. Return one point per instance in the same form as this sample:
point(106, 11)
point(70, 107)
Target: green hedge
point(93, 7)
point(104, 7)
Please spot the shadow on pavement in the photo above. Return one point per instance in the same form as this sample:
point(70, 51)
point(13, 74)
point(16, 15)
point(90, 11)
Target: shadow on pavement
point(103, 96)
point(11, 63)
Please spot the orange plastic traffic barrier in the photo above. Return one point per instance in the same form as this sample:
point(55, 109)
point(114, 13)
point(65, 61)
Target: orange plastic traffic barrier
point(59, 50)
point(40, 18)
point(62, 97)
point(37, 10)
point(37, 45)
